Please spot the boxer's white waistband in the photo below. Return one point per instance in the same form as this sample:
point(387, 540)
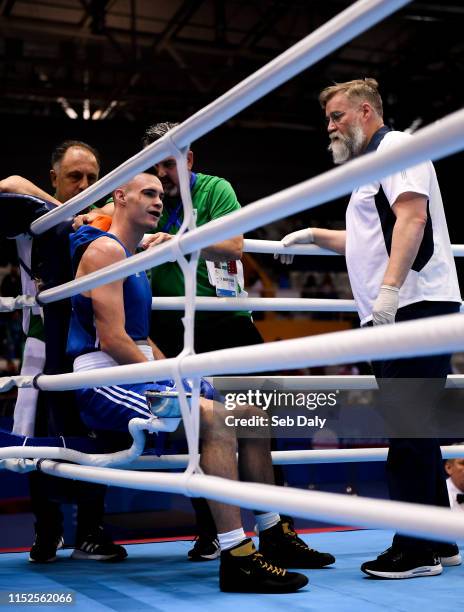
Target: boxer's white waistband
point(100, 359)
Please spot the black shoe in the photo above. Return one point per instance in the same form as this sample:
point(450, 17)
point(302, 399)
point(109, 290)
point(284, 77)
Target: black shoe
point(397, 564)
point(206, 548)
point(44, 548)
point(244, 570)
point(282, 546)
point(98, 546)
point(449, 554)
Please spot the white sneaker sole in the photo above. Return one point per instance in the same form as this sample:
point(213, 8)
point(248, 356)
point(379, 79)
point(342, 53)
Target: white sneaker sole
point(51, 560)
point(451, 561)
point(213, 556)
point(417, 572)
point(83, 556)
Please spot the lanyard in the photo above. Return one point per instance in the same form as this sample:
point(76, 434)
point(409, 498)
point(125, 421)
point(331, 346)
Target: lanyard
point(174, 219)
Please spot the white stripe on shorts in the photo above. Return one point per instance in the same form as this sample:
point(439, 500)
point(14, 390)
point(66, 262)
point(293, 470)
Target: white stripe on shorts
point(125, 394)
point(145, 413)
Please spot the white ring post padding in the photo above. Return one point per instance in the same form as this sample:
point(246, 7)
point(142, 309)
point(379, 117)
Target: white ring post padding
point(330, 36)
point(406, 339)
point(251, 245)
point(436, 140)
point(413, 519)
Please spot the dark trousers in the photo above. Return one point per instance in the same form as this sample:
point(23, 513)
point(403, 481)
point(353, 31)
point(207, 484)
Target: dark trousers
point(212, 334)
point(415, 470)
point(48, 493)
point(58, 415)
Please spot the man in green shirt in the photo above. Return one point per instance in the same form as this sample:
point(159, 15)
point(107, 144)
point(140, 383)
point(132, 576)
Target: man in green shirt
point(219, 274)
point(219, 267)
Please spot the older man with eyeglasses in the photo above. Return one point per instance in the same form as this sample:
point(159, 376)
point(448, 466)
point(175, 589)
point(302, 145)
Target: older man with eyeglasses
point(401, 267)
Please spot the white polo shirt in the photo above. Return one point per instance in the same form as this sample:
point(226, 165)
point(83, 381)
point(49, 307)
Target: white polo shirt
point(369, 228)
point(453, 492)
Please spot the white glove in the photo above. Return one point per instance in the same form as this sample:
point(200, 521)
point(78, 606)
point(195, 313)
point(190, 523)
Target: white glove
point(304, 236)
point(386, 305)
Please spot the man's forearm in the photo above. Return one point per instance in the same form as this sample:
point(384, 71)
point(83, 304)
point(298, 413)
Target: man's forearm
point(227, 250)
point(334, 240)
point(406, 240)
point(18, 184)
point(157, 353)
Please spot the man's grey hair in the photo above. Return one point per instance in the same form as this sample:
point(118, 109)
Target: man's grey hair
point(156, 131)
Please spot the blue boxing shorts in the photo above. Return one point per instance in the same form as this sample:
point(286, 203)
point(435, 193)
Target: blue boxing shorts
point(111, 407)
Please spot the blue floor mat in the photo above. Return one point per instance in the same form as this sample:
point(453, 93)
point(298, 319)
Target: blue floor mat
point(158, 577)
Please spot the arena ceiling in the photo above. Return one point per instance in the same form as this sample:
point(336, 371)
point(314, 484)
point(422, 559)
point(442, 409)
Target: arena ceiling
point(105, 59)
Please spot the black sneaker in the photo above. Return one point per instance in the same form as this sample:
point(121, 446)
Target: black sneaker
point(449, 554)
point(282, 546)
point(98, 546)
point(206, 548)
point(244, 570)
point(44, 548)
point(397, 564)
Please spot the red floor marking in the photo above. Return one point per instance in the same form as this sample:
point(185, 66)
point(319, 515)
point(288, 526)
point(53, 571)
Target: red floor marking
point(189, 538)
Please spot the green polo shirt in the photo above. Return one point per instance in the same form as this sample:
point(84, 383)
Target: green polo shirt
point(212, 198)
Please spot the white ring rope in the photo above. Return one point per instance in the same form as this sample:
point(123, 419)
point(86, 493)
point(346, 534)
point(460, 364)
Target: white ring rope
point(230, 304)
point(406, 339)
point(330, 36)
point(9, 304)
point(257, 304)
point(30, 454)
point(415, 519)
point(251, 245)
point(296, 457)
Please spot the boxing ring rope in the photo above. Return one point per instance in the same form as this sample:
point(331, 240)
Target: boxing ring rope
point(223, 304)
point(229, 304)
point(406, 339)
point(175, 462)
point(251, 245)
point(9, 304)
point(439, 139)
point(415, 519)
point(296, 457)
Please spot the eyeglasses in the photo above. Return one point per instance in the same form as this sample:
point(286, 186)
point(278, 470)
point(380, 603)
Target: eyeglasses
point(335, 117)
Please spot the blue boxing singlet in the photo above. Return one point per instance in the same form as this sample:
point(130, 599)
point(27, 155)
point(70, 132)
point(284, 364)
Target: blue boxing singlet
point(82, 337)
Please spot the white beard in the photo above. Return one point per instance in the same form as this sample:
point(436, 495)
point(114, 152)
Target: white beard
point(344, 148)
point(171, 191)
